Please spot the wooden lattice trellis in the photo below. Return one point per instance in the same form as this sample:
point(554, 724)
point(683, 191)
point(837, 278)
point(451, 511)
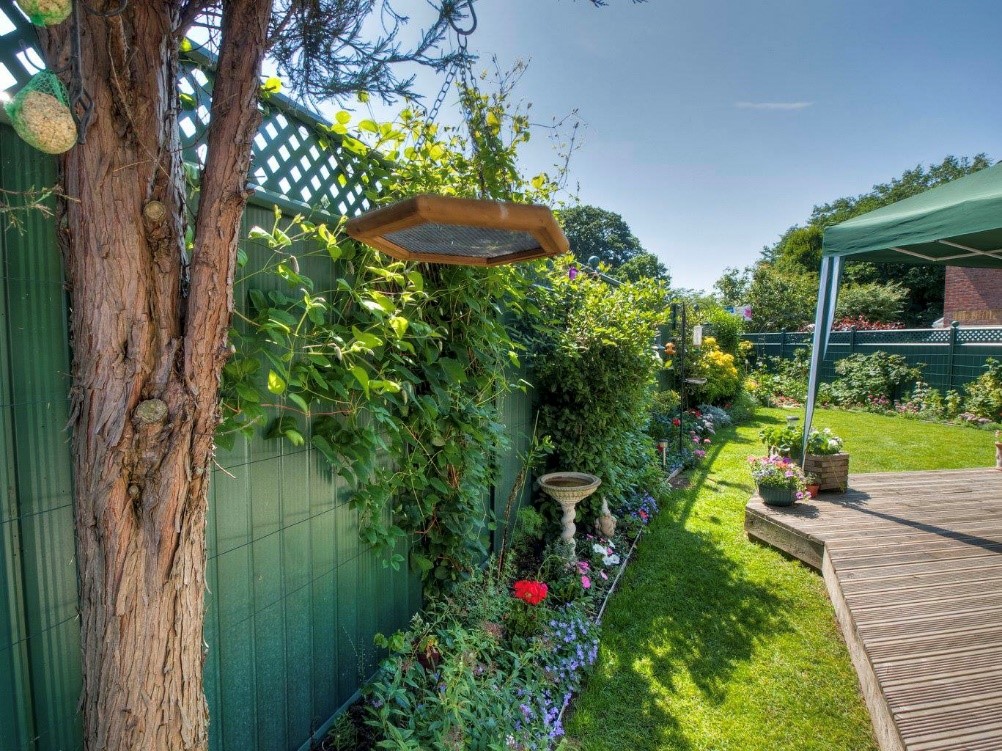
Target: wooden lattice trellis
point(298, 163)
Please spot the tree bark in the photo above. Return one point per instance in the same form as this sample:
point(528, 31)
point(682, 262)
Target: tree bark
point(147, 361)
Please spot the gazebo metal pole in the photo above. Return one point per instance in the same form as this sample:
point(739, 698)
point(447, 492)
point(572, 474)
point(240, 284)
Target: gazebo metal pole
point(831, 274)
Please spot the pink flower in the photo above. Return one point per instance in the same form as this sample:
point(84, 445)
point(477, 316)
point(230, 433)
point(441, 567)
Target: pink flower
point(583, 566)
point(643, 515)
point(695, 439)
point(603, 574)
point(586, 582)
point(706, 440)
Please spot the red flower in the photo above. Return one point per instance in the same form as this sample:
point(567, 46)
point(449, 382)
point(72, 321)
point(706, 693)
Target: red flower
point(676, 422)
point(531, 592)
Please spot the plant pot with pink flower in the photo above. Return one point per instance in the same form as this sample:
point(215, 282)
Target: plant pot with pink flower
point(780, 481)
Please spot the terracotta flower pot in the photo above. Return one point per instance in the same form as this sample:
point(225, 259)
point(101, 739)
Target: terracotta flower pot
point(813, 490)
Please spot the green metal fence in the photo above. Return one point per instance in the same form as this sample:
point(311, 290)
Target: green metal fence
point(294, 596)
point(39, 628)
point(949, 357)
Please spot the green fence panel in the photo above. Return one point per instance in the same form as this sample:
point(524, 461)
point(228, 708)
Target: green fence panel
point(517, 412)
point(949, 358)
point(40, 635)
point(294, 599)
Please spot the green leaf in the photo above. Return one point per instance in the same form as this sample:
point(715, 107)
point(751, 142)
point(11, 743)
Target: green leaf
point(399, 325)
point(276, 384)
point(299, 402)
point(363, 97)
point(369, 126)
point(416, 280)
point(248, 393)
point(343, 117)
point(361, 376)
point(186, 45)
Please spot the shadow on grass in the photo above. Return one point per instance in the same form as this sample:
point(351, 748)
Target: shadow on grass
point(688, 615)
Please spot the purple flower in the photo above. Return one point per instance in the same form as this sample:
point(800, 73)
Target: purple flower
point(572, 273)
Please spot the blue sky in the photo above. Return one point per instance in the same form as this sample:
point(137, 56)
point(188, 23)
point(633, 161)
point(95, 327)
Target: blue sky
point(678, 139)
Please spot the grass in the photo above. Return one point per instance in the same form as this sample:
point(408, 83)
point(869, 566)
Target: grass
point(717, 643)
point(881, 443)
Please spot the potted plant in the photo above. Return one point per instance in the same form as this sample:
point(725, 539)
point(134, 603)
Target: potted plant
point(783, 440)
point(813, 485)
point(780, 481)
point(826, 460)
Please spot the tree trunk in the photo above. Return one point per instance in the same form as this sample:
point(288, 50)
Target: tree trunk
point(147, 361)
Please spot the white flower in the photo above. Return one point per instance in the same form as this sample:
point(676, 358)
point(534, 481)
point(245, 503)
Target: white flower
point(599, 549)
point(610, 560)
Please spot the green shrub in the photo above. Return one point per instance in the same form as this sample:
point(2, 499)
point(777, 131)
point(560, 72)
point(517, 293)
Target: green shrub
point(726, 329)
point(871, 379)
point(594, 371)
point(776, 380)
point(742, 407)
point(664, 409)
point(983, 397)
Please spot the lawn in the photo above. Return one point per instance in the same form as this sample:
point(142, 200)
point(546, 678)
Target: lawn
point(717, 643)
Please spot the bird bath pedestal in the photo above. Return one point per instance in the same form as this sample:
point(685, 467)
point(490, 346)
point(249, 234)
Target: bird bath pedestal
point(567, 488)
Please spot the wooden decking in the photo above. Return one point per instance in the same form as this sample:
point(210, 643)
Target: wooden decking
point(913, 564)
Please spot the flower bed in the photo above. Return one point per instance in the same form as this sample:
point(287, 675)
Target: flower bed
point(494, 664)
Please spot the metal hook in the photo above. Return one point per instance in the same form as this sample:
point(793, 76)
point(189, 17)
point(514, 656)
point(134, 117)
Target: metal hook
point(473, 20)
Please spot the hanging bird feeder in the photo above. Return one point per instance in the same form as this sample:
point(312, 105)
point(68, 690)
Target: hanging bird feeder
point(463, 231)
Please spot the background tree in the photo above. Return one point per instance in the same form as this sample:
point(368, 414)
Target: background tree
point(149, 328)
point(732, 286)
point(910, 293)
point(592, 231)
point(643, 266)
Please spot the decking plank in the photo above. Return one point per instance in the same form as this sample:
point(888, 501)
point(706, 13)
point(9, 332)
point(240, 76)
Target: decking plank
point(913, 563)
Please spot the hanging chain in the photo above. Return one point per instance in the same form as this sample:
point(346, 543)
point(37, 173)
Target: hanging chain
point(459, 66)
point(81, 102)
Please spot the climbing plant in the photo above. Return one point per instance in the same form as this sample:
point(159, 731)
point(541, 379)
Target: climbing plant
point(394, 373)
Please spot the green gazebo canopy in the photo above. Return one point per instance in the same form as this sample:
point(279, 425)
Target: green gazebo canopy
point(957, 224)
